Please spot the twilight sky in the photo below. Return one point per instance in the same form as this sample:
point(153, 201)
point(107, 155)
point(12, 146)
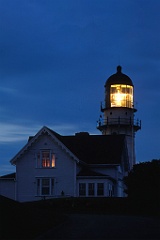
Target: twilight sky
point(55, 57)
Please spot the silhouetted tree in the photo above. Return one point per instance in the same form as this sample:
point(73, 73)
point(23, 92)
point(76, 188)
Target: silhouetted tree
point(143, 184)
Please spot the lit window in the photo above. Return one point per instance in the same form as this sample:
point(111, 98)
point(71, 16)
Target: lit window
point(46, 159)
point(53, 160)
point(45, 186)
point(121, 95)
point(90, 189)
point(82, 189)
point(100, 189)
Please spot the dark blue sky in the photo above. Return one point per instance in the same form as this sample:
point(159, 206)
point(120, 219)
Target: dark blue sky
point(55, 56)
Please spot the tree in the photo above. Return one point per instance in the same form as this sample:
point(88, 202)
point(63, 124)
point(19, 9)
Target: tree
point(143, 184)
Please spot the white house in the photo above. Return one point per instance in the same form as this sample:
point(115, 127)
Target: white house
point(51, 165)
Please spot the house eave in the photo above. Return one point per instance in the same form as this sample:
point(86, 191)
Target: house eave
point(96, 177)
point(32, 140)
point(104, 165)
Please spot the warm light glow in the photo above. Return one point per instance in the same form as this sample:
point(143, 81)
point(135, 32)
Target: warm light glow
point(121, 95)
point(45, 159)
point(48, 159)
point(53, 160)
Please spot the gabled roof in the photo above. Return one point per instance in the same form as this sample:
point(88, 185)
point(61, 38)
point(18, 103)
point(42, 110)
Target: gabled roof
point(43, 131)
point(89, 149)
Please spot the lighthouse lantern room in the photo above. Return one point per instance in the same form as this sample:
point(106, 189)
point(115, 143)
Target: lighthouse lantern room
point(118, 111)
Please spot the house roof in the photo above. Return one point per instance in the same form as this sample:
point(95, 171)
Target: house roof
point(96, 149)
point(86, 172)
point(8, 176)
point(89, 172)
point(90, 149)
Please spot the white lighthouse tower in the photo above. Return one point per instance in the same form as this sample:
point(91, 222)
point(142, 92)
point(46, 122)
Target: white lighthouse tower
point(118, 111)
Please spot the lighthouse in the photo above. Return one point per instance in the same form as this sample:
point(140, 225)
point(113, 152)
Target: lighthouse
point(118, 111)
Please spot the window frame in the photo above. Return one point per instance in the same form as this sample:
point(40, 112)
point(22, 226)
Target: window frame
point(110, 190)
point(99, 190)
point(41, 187)
point(91, 189)
point(43, 162)
point(82, 191)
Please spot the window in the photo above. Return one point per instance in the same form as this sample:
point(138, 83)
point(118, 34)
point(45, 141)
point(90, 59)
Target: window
point(45, 159)
point(45, 186)
point(82, 189)
point(100, 189)
point(90, 189)
point(110, 190)
point(121, 95)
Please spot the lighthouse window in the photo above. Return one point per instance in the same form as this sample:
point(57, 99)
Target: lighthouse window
point(121, 95)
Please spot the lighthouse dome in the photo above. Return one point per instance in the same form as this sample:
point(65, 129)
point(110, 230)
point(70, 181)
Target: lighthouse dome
point(119, 90)
point(118, 78)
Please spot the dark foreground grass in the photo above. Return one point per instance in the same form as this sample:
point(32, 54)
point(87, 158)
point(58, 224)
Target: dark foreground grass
point(26, 221)
point(29, 220)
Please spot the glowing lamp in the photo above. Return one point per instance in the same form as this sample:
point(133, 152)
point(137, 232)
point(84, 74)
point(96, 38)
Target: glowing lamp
point(121, 95)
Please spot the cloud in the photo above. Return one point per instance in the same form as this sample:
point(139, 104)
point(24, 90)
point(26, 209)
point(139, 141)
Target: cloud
point(14, 132)
point(7, 90)
point(11, 133)
point(6, 169)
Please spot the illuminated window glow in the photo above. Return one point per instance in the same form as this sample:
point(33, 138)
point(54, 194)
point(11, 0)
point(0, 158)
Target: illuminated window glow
point(46, 159)
point(121, 95)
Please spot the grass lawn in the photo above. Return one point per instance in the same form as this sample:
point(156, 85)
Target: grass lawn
point(29, 220)
point(26, 221)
